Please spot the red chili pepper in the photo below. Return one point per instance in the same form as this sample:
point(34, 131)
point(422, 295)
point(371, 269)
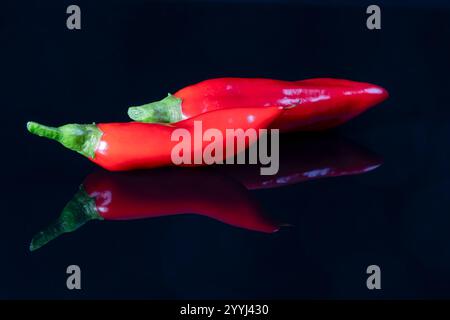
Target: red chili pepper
point(322, 103)
point(157, 193)
point(308, 158)
point(134, 145)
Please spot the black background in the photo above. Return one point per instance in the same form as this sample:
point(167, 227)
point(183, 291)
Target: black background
point(132, 52)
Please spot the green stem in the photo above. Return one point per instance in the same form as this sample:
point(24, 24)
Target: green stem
point(82, 138)
point(76, 213)
point(167, 110)
point(43, 131)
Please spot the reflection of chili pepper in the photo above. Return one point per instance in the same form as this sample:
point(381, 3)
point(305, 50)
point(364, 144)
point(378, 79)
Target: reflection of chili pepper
point(304, 158)
point(125, 146)
point(322, 103)
point(157, 193)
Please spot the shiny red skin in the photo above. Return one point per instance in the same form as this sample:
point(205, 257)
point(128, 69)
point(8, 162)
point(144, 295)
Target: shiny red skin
point(308, 158)
point(172, 191)
point(135, 145)
point(322, 103)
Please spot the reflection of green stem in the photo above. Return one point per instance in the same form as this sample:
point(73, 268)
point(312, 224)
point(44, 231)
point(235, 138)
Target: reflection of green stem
point(167, 110)
point(82, 138)
point(77, 212)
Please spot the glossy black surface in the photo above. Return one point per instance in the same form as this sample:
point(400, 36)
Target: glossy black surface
point(128, 53)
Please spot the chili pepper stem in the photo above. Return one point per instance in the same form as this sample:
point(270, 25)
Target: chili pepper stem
point(76, 213)
point(43, 131)
point(82, 138)
point(167, 110)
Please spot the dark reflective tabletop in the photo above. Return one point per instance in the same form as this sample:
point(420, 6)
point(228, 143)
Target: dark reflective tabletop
point(374, 191)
